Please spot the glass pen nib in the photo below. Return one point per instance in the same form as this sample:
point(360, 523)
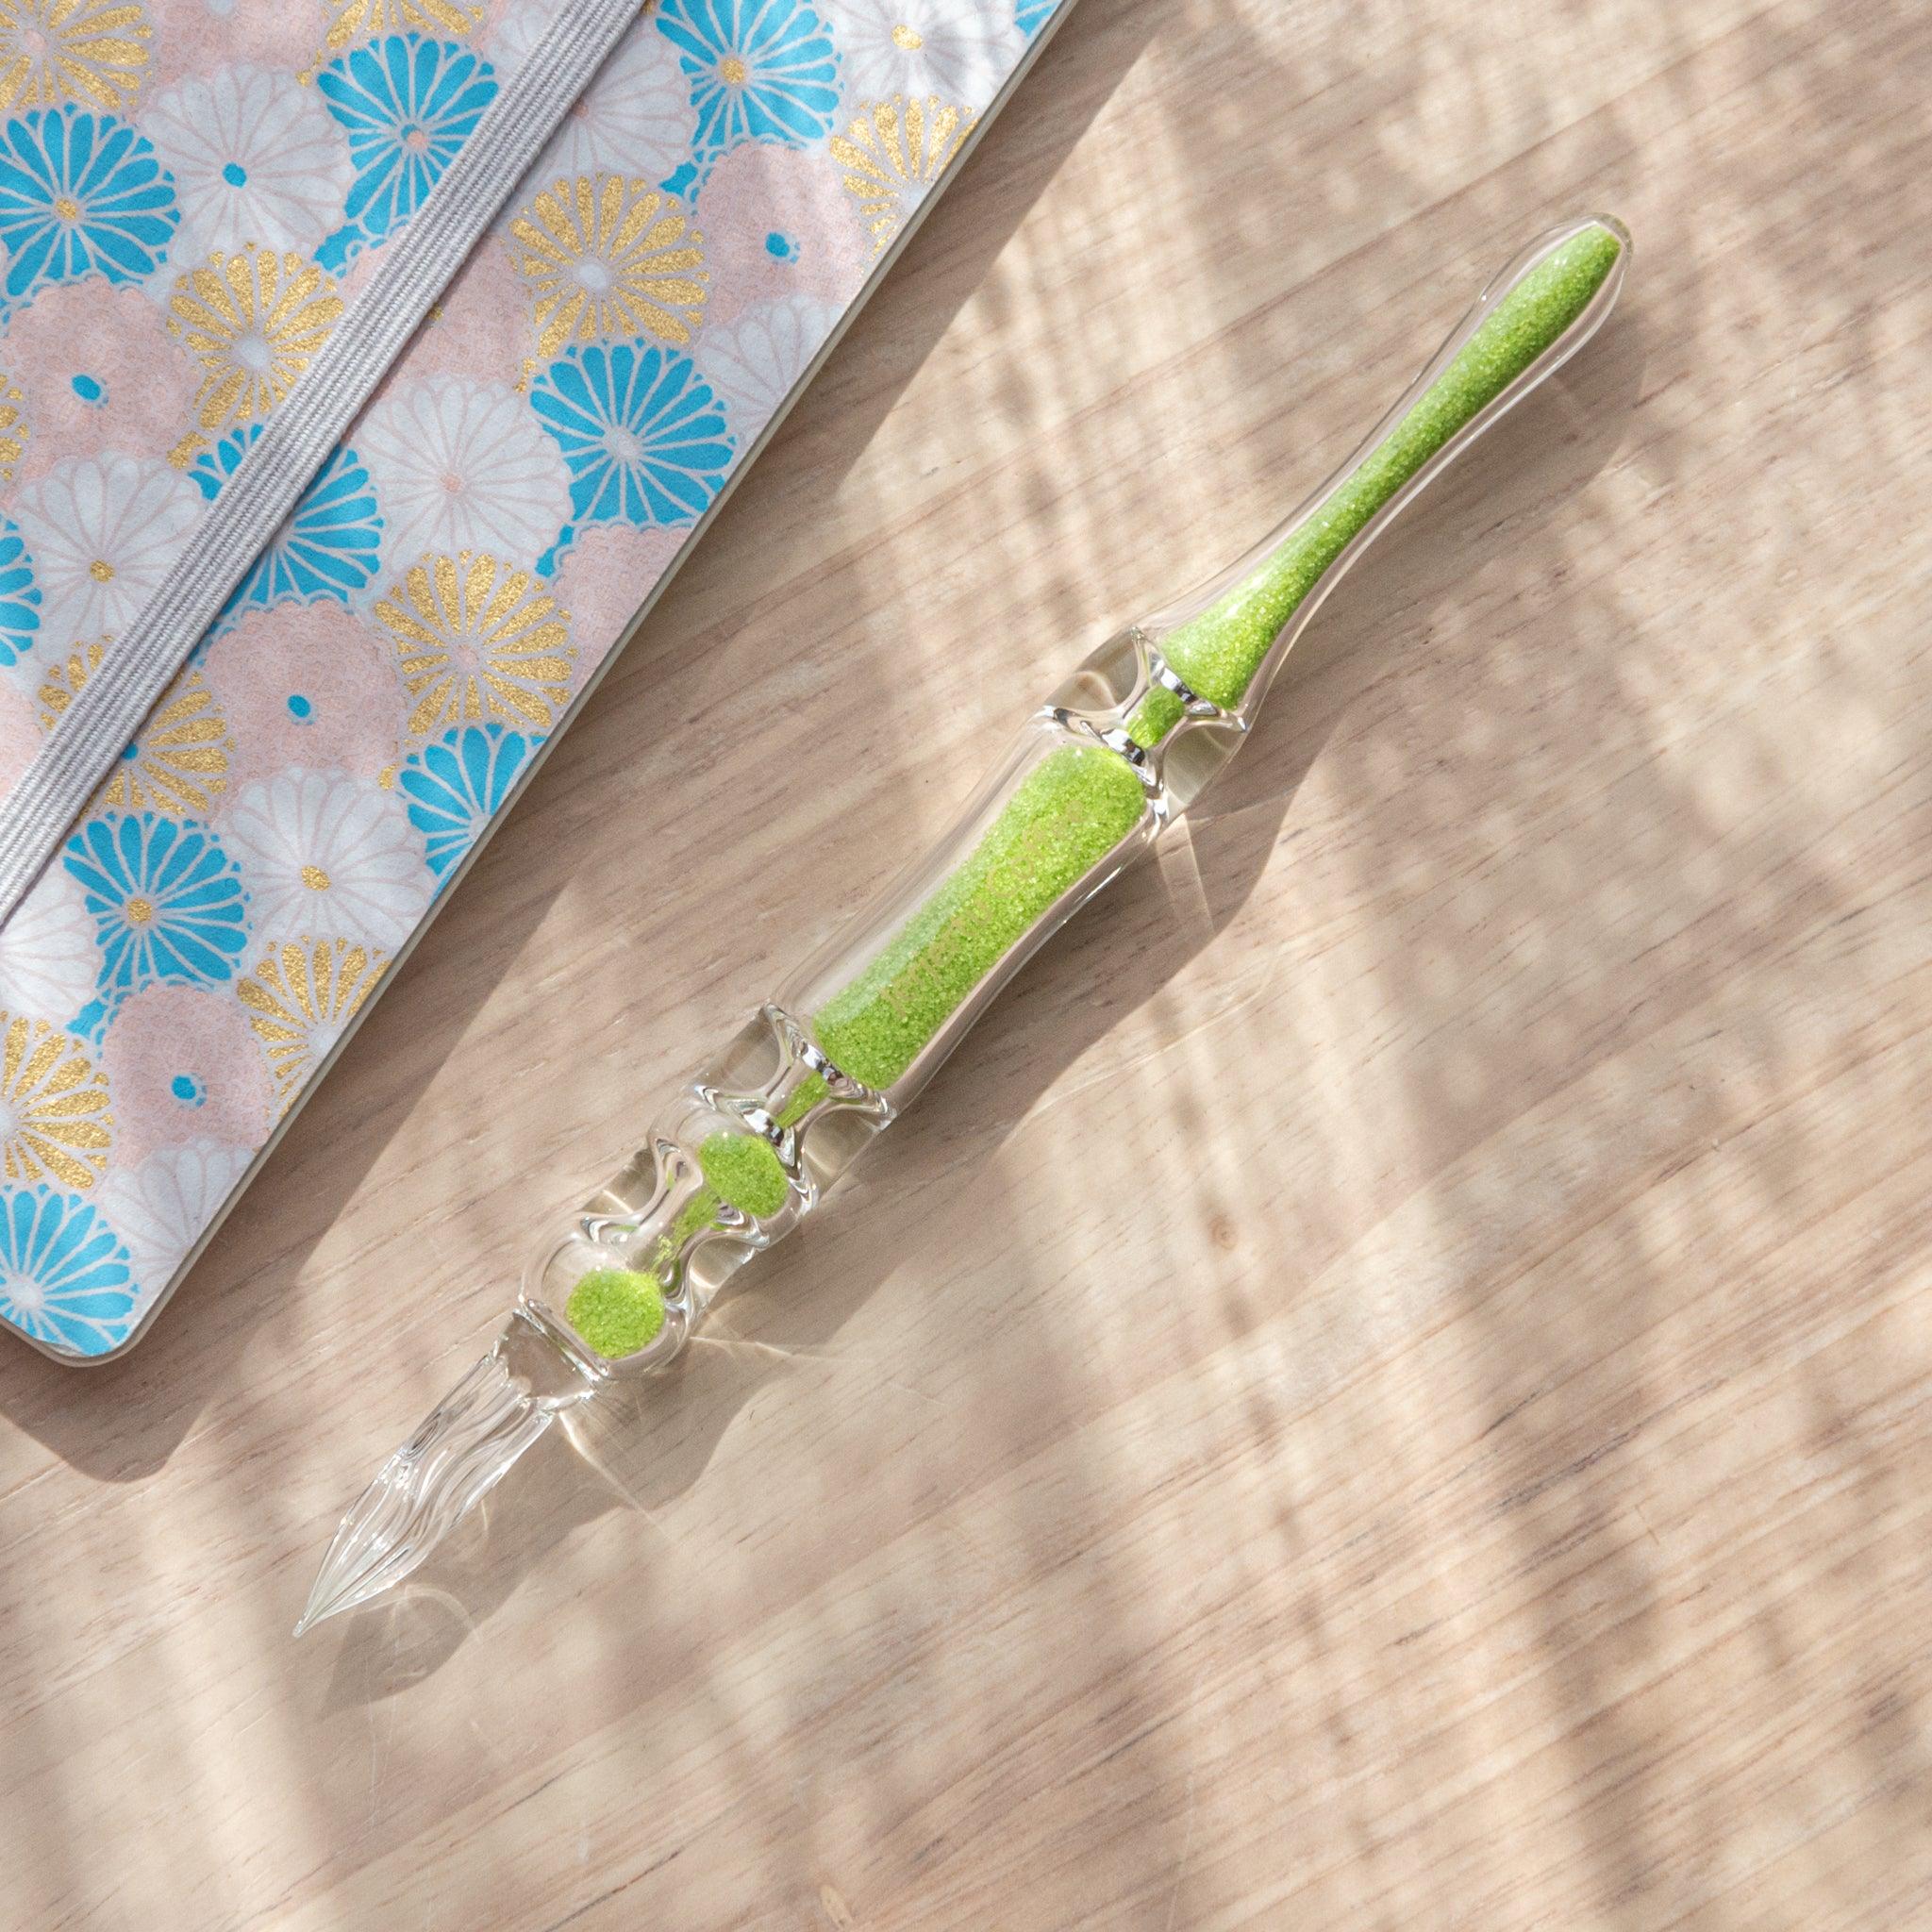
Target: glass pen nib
point(465, 1448)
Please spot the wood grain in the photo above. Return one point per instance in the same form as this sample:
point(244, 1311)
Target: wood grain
point(1391, 1382)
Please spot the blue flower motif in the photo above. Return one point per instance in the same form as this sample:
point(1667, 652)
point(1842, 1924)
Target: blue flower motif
point(643, 436)
point(20, 597)
point(1030, 16)
point(455, 785)
point(65, 1276)
point(759, 70)
point(336, 252)
point(165, 899)
point(329, 545)
point(80, 194)
point(406, 105)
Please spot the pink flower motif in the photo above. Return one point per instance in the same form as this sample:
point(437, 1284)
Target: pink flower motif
point(776, 221)
point(195, 38)
point(100, 371)
point(605, 575)
point(361, 272)
point(304, 685)
point(183, 1065)
point(20, 735)
point(480, 328)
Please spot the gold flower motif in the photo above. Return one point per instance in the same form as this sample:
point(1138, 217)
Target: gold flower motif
point(602, 256)
point(91, 51)
point(356, 18)
point(478, 639)
point(892, 151)
point(254, 319)
point(178, 763)
point(54, 1117)
point(302, 996)
point(13, 429)
point(62, 684)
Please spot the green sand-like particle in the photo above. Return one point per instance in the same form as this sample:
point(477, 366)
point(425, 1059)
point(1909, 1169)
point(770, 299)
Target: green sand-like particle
point(1155, 716)
point(1219, 652)
point(743, 1170)
point(617, 1310)
point(701, 1211)
point(1072, 809)
point(804, 1096)
point(620, 1310)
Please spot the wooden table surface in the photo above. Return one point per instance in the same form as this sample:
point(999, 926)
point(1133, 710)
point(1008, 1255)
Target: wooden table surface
point(1391, 1385)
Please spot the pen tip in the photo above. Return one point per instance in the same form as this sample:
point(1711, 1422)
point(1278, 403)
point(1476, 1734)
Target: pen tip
point(463, 1449)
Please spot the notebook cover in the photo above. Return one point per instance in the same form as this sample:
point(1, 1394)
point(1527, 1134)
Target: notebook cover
point(189, 195)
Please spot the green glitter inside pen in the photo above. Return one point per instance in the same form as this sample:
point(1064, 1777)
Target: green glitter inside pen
point(1218, 653)
point(744, 1171)
point(620, 1310)
point(617, 1310)
point(804, 1096)
point(1067, 814)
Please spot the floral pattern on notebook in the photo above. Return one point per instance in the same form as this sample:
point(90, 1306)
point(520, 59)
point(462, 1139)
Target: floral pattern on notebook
point(191, 200)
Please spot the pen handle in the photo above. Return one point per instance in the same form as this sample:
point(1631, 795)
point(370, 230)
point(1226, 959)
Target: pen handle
point(748, 1146)
point(1132, 738)
point(1224, 643)
point(1125, 745)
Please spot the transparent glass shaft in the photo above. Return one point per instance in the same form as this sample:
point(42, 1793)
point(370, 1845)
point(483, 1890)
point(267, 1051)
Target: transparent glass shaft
point(753, 1139)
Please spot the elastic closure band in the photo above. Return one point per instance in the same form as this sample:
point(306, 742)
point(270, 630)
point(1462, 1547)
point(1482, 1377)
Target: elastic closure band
point(297, 437)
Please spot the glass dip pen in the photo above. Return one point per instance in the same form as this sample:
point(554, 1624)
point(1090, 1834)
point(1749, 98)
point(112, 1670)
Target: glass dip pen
point(753, 1140)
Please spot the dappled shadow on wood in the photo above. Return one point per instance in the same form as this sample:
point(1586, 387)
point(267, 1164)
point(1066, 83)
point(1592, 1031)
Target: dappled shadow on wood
point(1472, 1456)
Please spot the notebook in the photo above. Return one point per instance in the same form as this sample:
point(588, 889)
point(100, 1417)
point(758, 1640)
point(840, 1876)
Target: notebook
point(311, 548)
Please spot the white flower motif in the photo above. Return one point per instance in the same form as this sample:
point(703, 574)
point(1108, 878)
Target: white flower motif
point(961, 50)
point(327, 856)
point(756, 361)
point(636, 119)
point(102, 533)
point(48, 958)
point(256, 159)
point(461, 465)
point(509, 43)
point(163, 1206)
